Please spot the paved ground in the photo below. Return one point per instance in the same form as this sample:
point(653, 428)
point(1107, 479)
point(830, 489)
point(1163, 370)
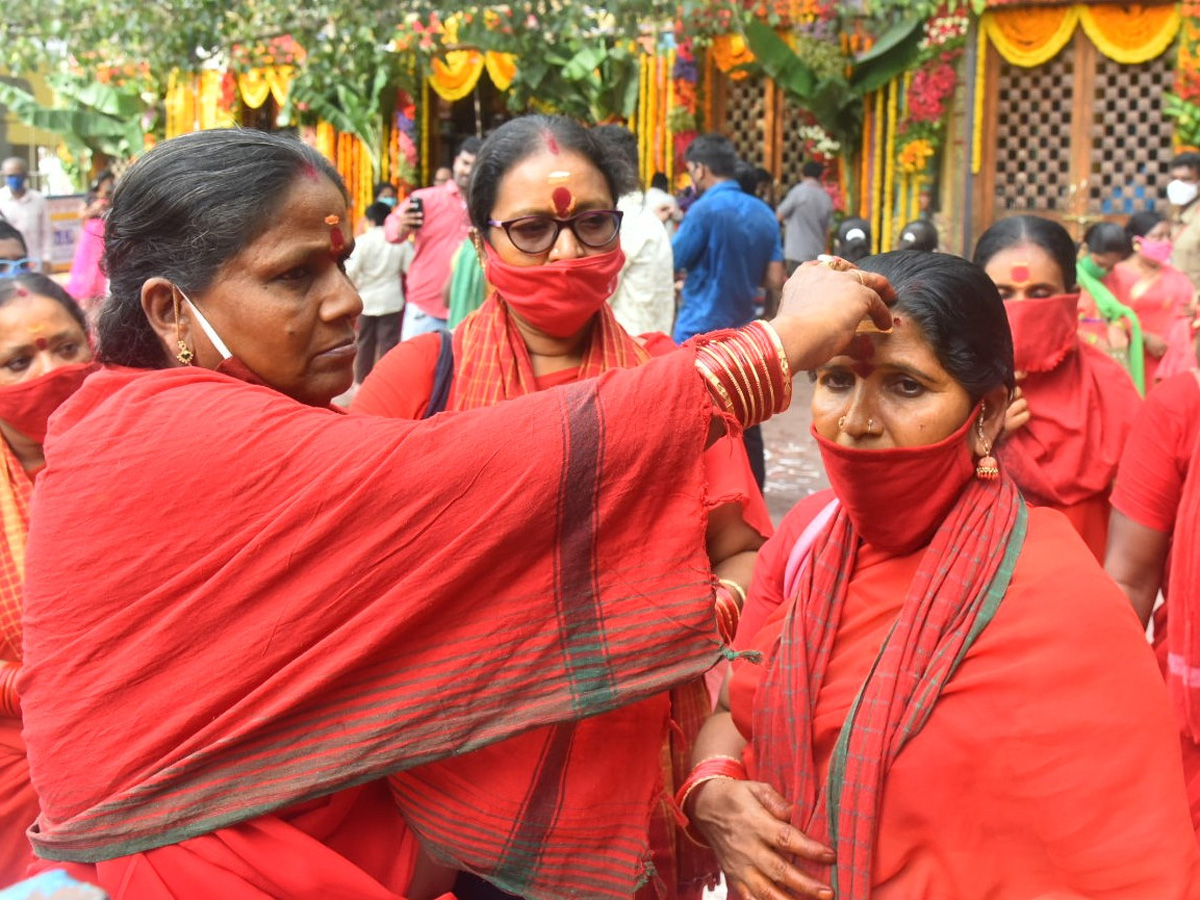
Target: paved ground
point(793, 462)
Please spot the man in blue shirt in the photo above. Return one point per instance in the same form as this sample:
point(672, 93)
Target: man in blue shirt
point(729, 244)
point(726, 242)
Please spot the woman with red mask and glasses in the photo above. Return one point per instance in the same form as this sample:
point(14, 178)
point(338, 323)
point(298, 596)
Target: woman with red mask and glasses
point(1074, 406)
point(1161, 295)
point(44, 357)
point(542, 203)
point(926, 719)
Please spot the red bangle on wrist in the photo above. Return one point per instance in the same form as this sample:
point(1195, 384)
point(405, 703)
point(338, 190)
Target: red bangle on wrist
point(10, 703)
point(714, 767)
point(746, 371)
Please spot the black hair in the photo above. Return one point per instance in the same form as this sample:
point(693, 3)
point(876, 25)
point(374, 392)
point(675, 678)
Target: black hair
point(381, 187)
point(853, 239)
point(714, 151)
point(182, 212)
point(920, 234)
point(812, 169)
point(621, 143)
point(517, 140)
point(1191, 159)
point(9, 232)
point(377, 213)
point(470, 145)
point(37, 283)
point(102, 176)
point(746, 176)
point(1141, 223)
point(1044, 233)
point(959, 311)
point(1108, 237)
point(659, 180)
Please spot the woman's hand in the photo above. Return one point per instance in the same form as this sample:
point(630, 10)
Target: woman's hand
point(1017, 414)
point(1156, 346)
point(748, 826)
point(821, 308)
point(1118, 337)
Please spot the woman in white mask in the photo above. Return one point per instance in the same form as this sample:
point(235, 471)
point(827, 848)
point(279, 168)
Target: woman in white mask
point(1160, 294)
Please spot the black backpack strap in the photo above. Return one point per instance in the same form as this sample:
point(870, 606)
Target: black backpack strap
point(443, 376)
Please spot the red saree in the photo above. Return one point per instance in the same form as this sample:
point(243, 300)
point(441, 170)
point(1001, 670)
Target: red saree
point(1048, 766)
point(1066, 456)
point(491, 365)
point(18, 802)
point(314, 577)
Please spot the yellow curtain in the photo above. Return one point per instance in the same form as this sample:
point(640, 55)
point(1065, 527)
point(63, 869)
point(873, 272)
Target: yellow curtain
point(730, 50)
point(1030, 36)
point(1127, 33)
point(1131, 34)
point(180, 104)
point(254, 87)
point(458, 75)
point(501, 68)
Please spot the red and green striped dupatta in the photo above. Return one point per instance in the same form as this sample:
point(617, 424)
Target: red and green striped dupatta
point(276, 602)
point(958, 587)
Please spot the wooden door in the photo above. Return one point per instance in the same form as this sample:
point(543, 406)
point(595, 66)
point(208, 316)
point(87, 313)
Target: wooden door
point(1079, 139)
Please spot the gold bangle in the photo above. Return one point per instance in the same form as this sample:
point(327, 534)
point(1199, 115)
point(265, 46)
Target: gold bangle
point(777, 341)
point(715, 384)
point(736, 589)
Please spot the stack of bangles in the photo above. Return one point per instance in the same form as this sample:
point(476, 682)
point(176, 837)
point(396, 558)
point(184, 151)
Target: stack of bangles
point(726, 768)
point(746, 371)
point(727, 604)
point(10, 703)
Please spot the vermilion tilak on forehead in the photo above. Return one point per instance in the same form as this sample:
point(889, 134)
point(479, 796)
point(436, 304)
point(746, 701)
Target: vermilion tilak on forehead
point(337, 240)
point(551, 143)
point(563, 201)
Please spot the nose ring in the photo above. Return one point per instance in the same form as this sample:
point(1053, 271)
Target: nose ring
point(842, 424)
point(870, 426)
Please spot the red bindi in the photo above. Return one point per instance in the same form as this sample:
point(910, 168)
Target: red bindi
point(41, 344)
point(1020, 274)
point(563, 200)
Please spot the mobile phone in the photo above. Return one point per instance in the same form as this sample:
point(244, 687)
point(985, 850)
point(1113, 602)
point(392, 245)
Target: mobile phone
point(416, 205)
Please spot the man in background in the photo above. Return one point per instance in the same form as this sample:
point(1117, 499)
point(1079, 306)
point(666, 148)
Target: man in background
point(806, 214)
point(644, 301)
point(728, 242)
point(25, 209)
point(436, 218)
point(1182, 194)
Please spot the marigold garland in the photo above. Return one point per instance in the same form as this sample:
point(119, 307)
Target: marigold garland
point(1030, 36)
point(889, 174)
point(980, 97)
point(1131, 34)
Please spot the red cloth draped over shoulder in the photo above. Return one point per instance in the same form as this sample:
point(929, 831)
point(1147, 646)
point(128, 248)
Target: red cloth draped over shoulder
point(1066, 455)
point(1049, 765)
point(492, 364)
point(315, 577)
point(18, 802)
point(401, 384)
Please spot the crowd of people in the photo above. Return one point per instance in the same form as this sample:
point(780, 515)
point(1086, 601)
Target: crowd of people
point(517, 623)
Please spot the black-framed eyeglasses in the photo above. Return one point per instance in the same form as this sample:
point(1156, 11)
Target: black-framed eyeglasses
point(594, 228)
point(11, 268)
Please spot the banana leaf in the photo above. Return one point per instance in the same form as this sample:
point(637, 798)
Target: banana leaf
point(78, 125)
point(894, 52)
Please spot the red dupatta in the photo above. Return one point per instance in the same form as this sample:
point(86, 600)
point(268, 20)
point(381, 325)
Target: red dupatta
point(961, 580)
point(1083, 409)
point(15, 490)
point(623, 755)
point(320, 578)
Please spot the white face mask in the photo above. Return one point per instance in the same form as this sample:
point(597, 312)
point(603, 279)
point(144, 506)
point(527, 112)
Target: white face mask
point(1181, 193)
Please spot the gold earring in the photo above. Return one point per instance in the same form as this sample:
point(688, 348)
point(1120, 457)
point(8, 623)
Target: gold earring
point(184, 354)
point(987, 469)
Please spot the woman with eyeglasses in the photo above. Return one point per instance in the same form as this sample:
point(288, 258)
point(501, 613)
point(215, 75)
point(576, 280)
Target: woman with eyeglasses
point(542, 201)
point(44, 357)
point(14, 256)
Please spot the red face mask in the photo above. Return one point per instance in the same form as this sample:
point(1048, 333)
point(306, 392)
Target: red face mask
point(27, 406)
point(897, 497)
point(1043, 330)
point(558, 298)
